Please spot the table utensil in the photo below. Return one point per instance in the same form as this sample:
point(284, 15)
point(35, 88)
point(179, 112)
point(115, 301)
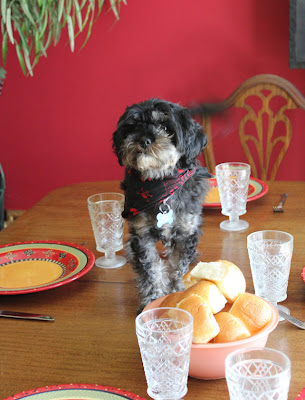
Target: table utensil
point(23, 315)
point(279, 207)
point(165, 337)
point(233, 184)
point(76, 392)
point(105, 211)
point(270, 255)
point(208, 360)
point(29, 267)
point(258, 374)
point(297, 322)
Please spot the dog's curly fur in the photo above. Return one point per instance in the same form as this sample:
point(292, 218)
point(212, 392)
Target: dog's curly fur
point(156, 138)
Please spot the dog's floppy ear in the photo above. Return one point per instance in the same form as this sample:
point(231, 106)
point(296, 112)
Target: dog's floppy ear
point(117, 141)
point(120, 134)
point(191, 138)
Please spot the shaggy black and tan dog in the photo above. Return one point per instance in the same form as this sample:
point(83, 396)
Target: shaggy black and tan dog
point(158, 142)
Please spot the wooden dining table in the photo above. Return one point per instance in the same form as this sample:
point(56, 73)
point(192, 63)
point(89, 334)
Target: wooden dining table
point(92, 339)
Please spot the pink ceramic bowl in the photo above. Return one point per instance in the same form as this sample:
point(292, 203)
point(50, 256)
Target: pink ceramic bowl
point(208, 360)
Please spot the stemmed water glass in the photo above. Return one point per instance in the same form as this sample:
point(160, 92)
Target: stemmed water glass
point(270, 254)
point(233, 185)
point(105, 210)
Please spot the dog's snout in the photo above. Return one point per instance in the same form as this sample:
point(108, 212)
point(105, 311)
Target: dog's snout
point(146, 142)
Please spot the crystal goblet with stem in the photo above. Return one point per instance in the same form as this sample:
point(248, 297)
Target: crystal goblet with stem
point(270, 254)
point(233, 185)
point(105, 210)
point(165, 337)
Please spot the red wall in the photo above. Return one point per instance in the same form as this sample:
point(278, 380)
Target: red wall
point(56, 127)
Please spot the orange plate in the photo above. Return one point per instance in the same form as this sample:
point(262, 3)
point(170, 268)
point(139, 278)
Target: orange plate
point(28, 267)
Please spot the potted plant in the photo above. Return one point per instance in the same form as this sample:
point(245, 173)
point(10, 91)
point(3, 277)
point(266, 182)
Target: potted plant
point(33, 25)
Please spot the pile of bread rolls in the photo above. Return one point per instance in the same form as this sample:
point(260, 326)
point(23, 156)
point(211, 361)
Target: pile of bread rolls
point(216, 297)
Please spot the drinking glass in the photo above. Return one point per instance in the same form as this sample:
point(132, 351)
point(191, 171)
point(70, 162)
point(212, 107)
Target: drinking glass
point(233, 185)
point(258, 373)
point(105, 210)
point(270, 254)
point(165, 337)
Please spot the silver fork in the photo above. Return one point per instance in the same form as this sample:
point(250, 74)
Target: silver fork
point(297, 322)
point(280, 208)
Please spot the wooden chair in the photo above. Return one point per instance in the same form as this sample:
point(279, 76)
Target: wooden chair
point(258, 127)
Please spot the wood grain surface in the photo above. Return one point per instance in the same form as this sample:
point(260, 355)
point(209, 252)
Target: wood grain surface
point(93, 337)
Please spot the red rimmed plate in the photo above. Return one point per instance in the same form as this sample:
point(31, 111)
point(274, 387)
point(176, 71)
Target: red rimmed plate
point(28, 267)
point(76, 392)
point(257, 189)
point(303, 276)
point(301, 395)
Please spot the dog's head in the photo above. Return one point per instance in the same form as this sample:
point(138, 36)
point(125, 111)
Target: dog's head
point(156, 136)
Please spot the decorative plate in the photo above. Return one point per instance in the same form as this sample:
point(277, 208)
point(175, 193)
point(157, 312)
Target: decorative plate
point(303, 276)
point(301, 395)
point(28, 267)
point(257, 189)
point(76, 392)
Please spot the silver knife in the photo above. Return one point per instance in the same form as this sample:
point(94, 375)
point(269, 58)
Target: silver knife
point(22, 315)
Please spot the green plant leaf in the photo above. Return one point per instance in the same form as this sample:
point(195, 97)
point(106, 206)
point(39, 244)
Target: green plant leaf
point(9, 25)
point(86, 17)
point(28, 63)
point(100, 5)
point(44, 26)
point(89, 32)
point(3, 9)
point(78, 15)
point(2, 73)
point(24, 43)
point(114, 9)
point(37, 44)
point(60, 9)
point(4, 48)
point(71, 32)
point(83, 3)
point(20, 58)
point(25, 9)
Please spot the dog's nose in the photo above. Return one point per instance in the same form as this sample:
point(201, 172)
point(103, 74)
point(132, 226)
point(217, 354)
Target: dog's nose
point(146, 142)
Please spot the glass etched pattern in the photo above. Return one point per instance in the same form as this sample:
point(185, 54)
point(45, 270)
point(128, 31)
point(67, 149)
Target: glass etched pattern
point(233, 185)
point(258, 380)
point(270, 262)
point(165, 346)
point(107, 224)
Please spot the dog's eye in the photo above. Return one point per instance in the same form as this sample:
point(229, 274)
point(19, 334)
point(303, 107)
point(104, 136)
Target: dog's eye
point(163, 127)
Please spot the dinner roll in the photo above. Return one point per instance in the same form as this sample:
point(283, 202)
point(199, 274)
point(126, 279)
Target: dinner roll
point(226, 275)
point(205, 327)
point(171, 300)
point(189, 280)
point(231, 328)
point(209, 293)
point(253, 311)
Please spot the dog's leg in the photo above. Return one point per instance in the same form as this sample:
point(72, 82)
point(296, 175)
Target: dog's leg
point(152, 275)
point(181, 249)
